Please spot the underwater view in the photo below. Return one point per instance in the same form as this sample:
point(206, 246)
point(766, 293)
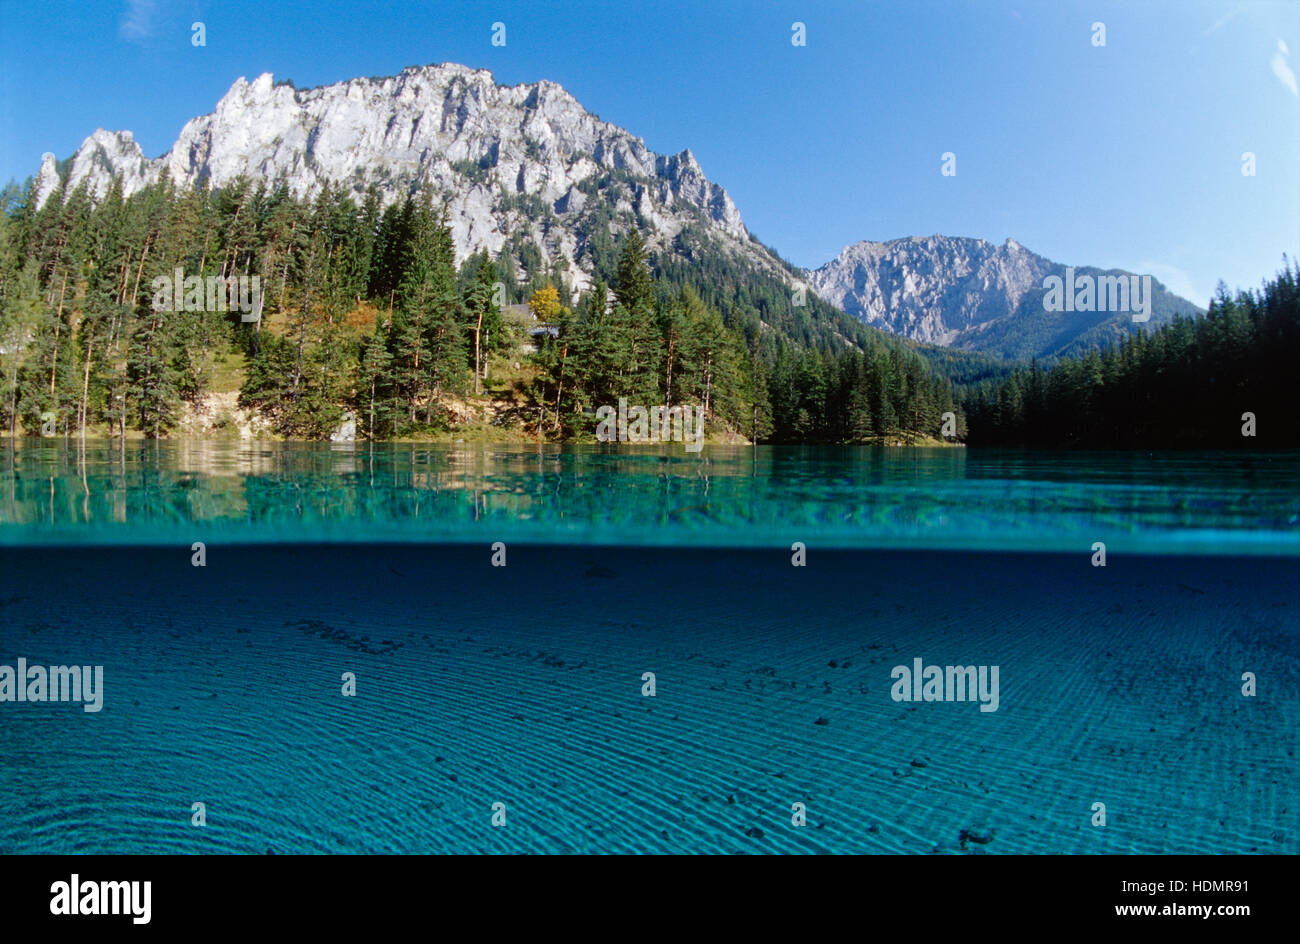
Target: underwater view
point(400, 648)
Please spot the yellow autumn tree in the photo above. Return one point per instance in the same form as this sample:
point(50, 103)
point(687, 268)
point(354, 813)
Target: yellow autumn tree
point(545, 304)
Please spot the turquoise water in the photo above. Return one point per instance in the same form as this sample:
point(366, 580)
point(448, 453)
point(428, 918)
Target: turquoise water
point(523, 685)
point(955, 499)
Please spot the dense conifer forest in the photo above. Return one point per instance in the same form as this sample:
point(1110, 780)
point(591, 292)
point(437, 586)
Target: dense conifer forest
point(363, 311)
point(1188, 384)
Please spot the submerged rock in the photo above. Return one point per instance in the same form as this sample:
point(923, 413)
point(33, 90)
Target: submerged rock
point(980, 836)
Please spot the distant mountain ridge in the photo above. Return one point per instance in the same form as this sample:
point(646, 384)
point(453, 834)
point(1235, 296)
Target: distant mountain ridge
point(974, 295)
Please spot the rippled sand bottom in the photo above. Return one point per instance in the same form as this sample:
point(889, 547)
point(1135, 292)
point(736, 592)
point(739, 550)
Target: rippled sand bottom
point(523, 685)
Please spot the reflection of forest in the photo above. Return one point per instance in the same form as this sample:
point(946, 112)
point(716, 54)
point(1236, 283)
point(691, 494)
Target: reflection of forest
point(842, 496)
point(177, 481)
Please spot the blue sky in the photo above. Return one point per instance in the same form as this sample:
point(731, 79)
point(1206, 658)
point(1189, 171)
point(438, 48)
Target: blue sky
point(1127, 155)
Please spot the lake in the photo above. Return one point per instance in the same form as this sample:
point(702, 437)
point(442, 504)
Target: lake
point(638, 665)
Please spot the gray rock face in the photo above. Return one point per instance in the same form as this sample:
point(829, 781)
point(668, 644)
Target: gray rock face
point(47, 178)
point(971, 294)
point(931, 288)
point(347, 431)
point(477, 143)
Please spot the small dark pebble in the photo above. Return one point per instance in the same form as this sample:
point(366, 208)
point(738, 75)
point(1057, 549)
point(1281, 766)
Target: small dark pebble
point(822, 721)
point(981, 836)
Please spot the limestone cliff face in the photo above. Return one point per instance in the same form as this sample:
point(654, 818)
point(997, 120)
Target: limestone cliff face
point(931, 288)
point(481, 147)
point(971, 294)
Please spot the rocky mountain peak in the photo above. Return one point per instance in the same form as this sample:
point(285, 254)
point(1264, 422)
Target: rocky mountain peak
point(968, 293)
point(509, 161)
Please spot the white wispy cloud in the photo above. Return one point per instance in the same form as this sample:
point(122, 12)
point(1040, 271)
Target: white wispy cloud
point(1223, 20)
point(137, 20)
point(1175, 280)
point(1282, 69)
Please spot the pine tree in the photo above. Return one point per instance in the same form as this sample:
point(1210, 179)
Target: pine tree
point(375, 361)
